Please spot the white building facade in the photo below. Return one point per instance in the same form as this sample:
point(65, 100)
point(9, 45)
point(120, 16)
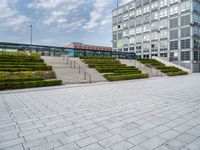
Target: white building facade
point(164, 28)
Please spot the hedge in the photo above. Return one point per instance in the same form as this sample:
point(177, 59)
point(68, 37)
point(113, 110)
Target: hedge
point(21, 60)
point(20, 54)
point(29, 84)
point(15, 69)
point(110, 69)
point(32, 67)
point(128, 71)
point(96, 57)
point(106, 65)
point(22, 63)
point(113, 77)
point(20, 79)
point(102, 61)
point(177, 73)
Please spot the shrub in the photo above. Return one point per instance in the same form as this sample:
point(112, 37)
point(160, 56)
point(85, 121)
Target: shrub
point(21, 63)
point(111, 69)
point(128, 71)
point(28, 84)
point(21, 60)
point(104, 65)
point(96, 57)
point(20, 79)
point(15, 69)
point(177, 73)
point(117, 77)
point(32, 67)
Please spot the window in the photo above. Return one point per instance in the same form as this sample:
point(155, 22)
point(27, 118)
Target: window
point(174, 34)
point(163, 23)
point(114, 28)
point(145, 2)
point(120, 10)
point(132, 5)
point(163, 34)
point(173, 10)
point(126, 15)
point(119, 35)
point(154, 47)
point(196, 30)
point(126, 41)
point(185, 44)
point(132, 48)
point(125, 24)
point(163, 46)
point(115, 13)
point(195, 17)
point(132, 13)
point(173, 1)
point(138, 12)
point(154, 6)
point(146, 28)
point(185, 32)
point(173, 45)
point(114, 36)
point(146, 19)
point(125, 49)
point(163, 13)
point(163, 54)
point(146, 48)
point(126, 33)
point(146, 38)
point(132, 40)
point(195, 6)
point(132, 31)
point(138, 39)
point(154, 16)
point(185, 6)
point(154, 26)
point(146, 9)
point(138, 21)
point(185, 20)
point(185, 56)
point(114, 44)
point(173, 23)
point(154, 36)
point(138, 3)
point(132, 22)
point(163, 3)
point(138, 30)
point(196, 55)
point(120, 18)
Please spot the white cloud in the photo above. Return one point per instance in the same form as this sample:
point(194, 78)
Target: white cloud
point(72, 14)
point(11, 18)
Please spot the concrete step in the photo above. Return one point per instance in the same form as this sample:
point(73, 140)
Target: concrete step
point(70, 75)
point(151, 71)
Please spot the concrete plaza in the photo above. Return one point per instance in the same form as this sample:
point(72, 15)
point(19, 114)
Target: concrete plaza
point(151, 114)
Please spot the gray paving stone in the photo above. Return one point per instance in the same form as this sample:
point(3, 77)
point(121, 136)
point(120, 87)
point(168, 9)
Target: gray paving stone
point(136, 140)
point(15, 147)
point(94, 146)
point(34, 143)
point(46, 146)
point(11, 142)
point(124, 145)
point(37, 136)
point(73, 138)
point(86, 141)
point(110, 141)
point(153, 143)
point(195, 145)
point(71, 146)
point(170, 134)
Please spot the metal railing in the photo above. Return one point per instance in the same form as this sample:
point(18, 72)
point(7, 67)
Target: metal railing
point(75, 65)
point(151, 70)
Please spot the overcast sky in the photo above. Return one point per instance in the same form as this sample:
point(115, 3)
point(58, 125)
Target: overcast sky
point(57, 22)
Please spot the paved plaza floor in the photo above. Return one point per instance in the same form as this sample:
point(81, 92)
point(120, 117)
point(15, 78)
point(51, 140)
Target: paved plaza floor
point(149, 114)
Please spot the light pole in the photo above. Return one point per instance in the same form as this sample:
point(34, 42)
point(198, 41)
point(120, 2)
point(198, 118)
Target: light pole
point(31, 27)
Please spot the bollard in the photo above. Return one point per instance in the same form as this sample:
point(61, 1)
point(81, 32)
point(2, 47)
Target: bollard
point(74, 64)
point(84, 75)
point(79, 69)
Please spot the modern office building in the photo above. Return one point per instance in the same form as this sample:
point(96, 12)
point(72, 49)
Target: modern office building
point(164, 28)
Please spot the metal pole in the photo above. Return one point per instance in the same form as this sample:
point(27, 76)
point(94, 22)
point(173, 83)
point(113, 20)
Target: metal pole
point(84, 75)
point(31, 27)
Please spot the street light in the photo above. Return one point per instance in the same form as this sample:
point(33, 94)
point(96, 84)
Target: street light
point(31, 27)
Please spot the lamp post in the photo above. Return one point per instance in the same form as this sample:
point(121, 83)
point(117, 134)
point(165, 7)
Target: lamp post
point(31, 28)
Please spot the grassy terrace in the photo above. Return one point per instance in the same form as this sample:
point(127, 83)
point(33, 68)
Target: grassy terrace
point(168, 70)
point(112, 69)
point(23, 70)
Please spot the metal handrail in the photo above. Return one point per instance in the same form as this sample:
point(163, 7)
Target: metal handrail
point(74, 64)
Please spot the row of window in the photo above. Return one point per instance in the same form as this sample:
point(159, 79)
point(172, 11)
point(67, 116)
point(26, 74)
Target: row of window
point(146, 8)
point(173, 45)
point(164, 23)
point(184, 6)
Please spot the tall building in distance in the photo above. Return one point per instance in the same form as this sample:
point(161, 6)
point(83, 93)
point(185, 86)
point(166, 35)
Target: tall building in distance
point(164, 28)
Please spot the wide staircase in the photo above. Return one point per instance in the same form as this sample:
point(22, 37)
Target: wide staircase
point(153, 72)
point(73, 70)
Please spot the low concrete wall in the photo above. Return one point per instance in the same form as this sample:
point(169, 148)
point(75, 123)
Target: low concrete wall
point(167, 63)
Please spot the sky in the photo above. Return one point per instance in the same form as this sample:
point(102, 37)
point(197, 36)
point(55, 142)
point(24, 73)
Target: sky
point(57, 22)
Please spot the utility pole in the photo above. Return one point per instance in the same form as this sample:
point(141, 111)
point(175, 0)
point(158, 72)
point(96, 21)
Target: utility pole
point(31, 27)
